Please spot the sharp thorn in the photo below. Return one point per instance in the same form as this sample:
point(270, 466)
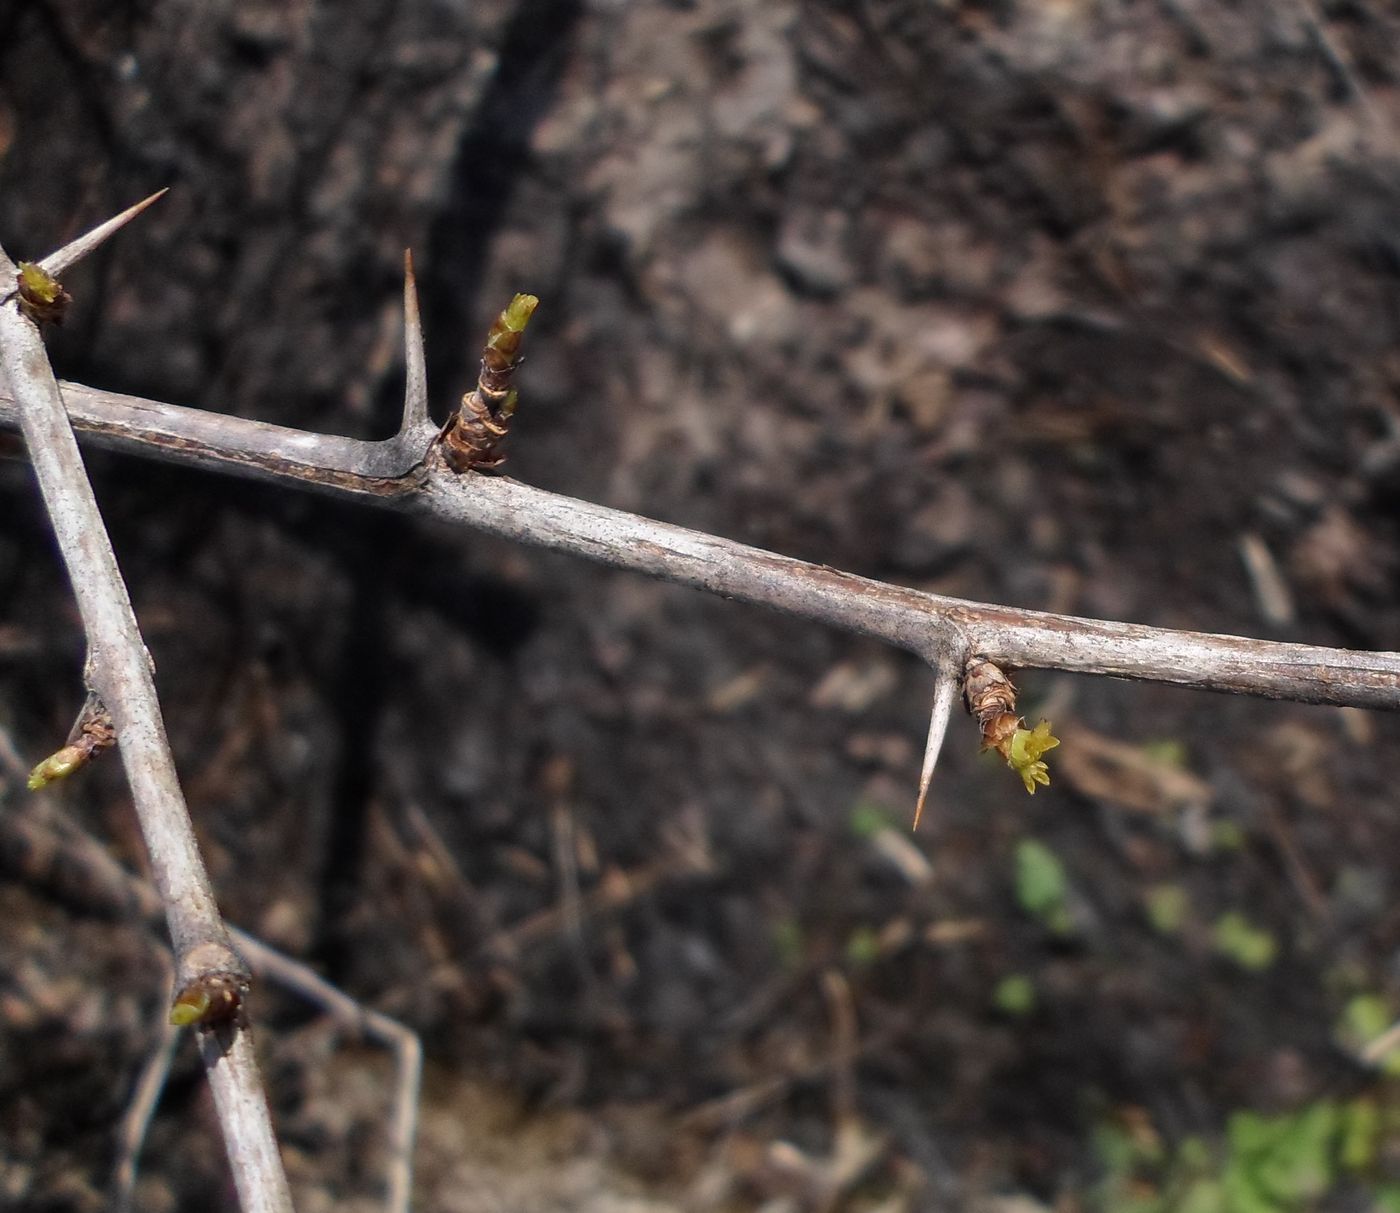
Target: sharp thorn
point(415, 396)
point(945, 691)
point(55, 263)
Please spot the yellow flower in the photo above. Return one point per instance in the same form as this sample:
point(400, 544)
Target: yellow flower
point(1023, 754)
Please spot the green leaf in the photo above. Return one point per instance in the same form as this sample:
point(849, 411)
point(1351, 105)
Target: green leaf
point(518, 312)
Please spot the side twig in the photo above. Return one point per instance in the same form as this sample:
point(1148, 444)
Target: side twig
point(401, 1041)
point(54, 853)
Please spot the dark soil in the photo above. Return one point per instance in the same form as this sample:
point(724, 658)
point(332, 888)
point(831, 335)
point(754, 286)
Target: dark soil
point(1058, 304)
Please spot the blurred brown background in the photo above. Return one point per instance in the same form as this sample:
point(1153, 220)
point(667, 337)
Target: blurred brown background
point(1082, 306)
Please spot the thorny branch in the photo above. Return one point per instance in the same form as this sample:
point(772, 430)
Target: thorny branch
point(421, 470)
point(119, 673)
point(403, 473)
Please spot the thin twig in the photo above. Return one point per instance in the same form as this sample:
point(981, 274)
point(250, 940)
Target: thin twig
point(53, 853)
point(402, 1041)
point(121, 677)
point(131, 1135)
point(393, 472)
point(845, 1044)
point(1336, 60)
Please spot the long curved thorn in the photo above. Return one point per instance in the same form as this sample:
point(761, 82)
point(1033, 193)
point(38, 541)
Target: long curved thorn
point(415, 394)
point(945, 691)
point(75, 250)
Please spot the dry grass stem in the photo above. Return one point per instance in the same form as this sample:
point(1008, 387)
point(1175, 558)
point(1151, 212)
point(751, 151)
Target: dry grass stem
point(131, 1136)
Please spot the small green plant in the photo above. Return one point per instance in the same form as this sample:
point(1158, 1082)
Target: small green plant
point(1265, 1164)
point(1042, 888)
point(1167, 907)
point(1282, 1160)
point(1250, 947)
point(868, 818)
point(1014, 995)
point(1365, 1017)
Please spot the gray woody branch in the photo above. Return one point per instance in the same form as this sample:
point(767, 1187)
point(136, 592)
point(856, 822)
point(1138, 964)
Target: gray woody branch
point(405, 472)
point(119, 672)
point(400, 473)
